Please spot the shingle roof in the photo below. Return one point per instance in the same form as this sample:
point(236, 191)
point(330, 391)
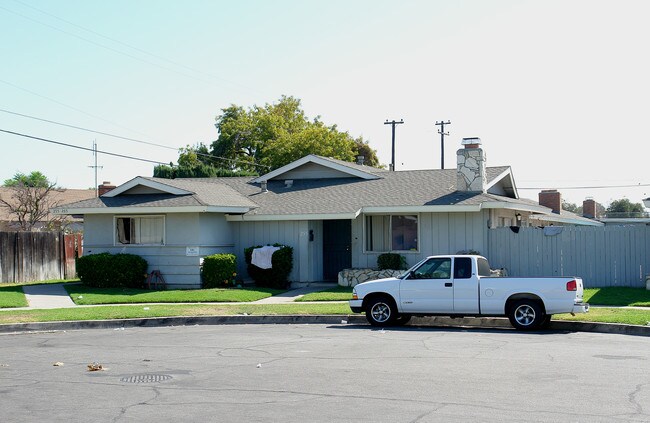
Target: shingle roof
point(57, 196)
point(312, 196)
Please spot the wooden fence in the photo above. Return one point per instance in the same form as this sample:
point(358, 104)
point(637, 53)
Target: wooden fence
point(38, 256)
point(601, 256)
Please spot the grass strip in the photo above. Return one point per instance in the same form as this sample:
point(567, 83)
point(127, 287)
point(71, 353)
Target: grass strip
point(142, 311)
point(12, 296)
point(84, 295)
point(338, 293)
point(626, 316)
point(618, 296)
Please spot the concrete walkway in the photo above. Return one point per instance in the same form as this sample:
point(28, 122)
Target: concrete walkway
point(47, 296)
point(291, 295)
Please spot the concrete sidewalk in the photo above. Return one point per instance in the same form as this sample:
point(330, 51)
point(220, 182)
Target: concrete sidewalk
point(47, 296)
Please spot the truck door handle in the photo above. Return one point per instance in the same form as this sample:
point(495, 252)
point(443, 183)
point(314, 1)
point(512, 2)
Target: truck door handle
point(448, 284)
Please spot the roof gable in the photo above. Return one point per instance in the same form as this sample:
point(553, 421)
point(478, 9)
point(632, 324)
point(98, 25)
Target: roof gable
point(142, 185)
point(317, 167)
point(501, 182)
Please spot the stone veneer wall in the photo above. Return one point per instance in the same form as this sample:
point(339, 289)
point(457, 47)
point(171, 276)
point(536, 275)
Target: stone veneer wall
point(352, 277)
point(470, 175)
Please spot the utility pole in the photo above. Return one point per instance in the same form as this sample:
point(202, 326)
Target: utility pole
point(393, 123)
point(95, 167)
point(442, 133)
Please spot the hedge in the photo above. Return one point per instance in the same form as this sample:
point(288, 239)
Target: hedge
point(107, 270)
point(278, 275)
point(219, 270)
point(392, 261)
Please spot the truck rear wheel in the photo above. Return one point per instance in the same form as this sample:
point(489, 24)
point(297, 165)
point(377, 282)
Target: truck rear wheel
point(381, 311)
point(526, 315)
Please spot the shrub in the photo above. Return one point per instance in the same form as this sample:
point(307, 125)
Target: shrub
point(278, 275)
point(219, 270)
point(392, 261)
point(107, 270)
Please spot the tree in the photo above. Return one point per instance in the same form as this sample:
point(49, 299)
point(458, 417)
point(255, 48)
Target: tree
point(279, 133)
point(624, 208)
point(30, 200)
point(571, 207)
point(34, 179)
point(195, 162)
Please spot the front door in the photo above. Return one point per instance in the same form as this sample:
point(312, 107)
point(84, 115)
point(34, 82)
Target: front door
point(337, 247)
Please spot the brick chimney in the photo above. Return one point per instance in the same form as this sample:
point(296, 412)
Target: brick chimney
point(552, 199)
point(470, 166)
point(104, 188)
point(589, 208)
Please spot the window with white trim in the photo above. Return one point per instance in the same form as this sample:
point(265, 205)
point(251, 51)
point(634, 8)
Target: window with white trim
point(140, 230)
point(391, 233)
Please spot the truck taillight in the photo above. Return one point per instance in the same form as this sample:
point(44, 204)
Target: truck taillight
point(572, 286)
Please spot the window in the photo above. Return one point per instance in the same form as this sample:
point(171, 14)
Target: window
point(483, 267)
point(141, 230)
point(462, 268)
point(391, 233)
point(434, 268)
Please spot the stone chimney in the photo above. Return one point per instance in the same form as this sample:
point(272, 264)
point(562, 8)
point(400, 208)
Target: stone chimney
point(470, 166)
point(360, 160)
point(589, 208)
point(552, 199)
point(104, 188)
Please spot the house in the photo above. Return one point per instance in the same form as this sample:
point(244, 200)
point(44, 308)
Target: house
point(334, 214)
point(71, 223)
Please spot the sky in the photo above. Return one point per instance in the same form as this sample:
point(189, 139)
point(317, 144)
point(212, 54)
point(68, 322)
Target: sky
point(558, 90)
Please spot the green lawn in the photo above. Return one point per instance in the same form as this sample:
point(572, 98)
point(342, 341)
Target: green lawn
point(167, 310)
point(83, 295)
point(618, 296)
point(610, 315)
point(12, 296)
point(338, 293)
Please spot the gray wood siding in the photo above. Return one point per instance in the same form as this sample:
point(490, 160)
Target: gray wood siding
point(292, 233)
point(439, 233)
point(210, 232)
point(601, 256)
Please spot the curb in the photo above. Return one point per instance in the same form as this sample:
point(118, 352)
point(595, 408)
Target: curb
point(356, 319)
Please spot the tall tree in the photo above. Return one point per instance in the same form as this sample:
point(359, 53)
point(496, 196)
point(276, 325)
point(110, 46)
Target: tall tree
point(30, 200)
point(276, 134)
point(624, 208)
point(34, 179)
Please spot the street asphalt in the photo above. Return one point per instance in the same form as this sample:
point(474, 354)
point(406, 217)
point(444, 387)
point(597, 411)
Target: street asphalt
point(322, 373)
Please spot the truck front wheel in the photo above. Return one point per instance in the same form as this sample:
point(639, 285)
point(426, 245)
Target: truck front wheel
point(526, 315)
point(381, 312)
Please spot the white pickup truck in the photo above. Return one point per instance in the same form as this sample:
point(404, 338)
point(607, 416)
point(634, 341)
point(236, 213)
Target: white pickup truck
point(461, 285)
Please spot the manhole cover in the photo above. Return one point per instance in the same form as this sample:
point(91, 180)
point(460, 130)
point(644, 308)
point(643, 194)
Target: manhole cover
point(148, 378)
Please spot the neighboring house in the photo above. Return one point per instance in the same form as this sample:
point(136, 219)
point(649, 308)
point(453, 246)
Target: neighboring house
point(9, 221)
point(334, 214)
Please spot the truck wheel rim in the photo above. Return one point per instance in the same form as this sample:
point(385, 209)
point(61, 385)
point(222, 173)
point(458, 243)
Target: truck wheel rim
point(380, 312)
point(525, 315)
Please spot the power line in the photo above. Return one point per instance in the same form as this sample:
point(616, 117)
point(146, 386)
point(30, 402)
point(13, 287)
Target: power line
point(588, 187)
point(87, 130)
point(132, 46)
point(208, 156)
point(82, 148)
point(68, 106)
point(116, 50)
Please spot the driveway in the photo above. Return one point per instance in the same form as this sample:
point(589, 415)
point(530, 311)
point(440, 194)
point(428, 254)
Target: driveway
point(323, 373)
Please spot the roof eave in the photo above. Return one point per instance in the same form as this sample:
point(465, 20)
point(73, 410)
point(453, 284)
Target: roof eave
point(150, 209)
